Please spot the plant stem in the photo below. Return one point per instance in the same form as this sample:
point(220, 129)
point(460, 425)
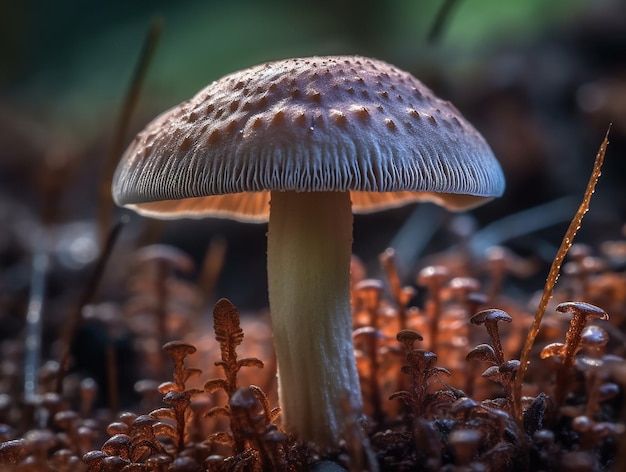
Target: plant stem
point(553, 275)
point(34, 320)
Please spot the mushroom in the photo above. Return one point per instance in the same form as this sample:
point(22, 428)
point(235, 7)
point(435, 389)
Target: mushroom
point(303, 143)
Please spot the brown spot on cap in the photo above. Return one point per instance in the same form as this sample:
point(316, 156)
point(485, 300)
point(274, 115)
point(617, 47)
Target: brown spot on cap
point(300, 118)
point(231, 126)
point(338, 117)
point(185, 144)
point(360, 112)
point(214, 136)
point(257, 122)
point(314, 95)
point(390, 124)
point(278, 117)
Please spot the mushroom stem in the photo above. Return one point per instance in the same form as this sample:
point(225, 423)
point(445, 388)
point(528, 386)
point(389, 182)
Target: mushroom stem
point(308, 264)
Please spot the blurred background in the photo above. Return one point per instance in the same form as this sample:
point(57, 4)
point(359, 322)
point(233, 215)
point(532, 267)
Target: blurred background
point(541, 80)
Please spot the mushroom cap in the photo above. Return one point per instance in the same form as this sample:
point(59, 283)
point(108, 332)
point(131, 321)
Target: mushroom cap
point(586, 309)
point(340, 123)
point(489, 316)
point(432, 275)
point(179, 348)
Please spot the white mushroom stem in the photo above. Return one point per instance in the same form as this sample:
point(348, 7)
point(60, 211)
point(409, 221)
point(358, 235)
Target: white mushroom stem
point(308, 263)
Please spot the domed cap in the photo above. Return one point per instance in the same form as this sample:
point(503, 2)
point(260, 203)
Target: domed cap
point(313, 124)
